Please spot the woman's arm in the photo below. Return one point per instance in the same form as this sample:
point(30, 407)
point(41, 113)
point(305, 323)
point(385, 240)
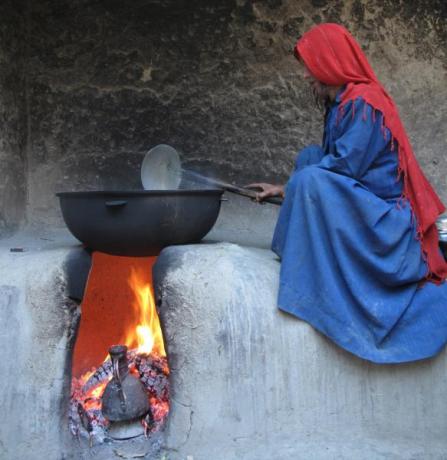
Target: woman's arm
point(267, 190)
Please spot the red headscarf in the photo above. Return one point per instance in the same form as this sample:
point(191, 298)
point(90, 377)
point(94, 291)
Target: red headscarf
point(334, 57)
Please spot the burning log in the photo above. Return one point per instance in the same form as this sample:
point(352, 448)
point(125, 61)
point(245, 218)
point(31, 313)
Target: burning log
point(154, 375)
point(102, 373)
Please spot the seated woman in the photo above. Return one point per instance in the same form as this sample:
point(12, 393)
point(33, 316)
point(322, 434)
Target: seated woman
point(357, 231)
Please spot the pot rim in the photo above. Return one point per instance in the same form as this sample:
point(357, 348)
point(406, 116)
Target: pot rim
point(142, 193)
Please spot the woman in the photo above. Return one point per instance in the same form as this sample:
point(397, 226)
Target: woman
point(356, 233)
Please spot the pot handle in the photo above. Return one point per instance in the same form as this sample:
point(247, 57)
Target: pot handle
point(115, 203)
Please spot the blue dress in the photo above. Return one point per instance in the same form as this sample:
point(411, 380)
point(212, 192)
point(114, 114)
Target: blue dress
point(351, 265)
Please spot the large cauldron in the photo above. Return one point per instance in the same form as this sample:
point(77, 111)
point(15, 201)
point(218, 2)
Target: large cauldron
point(139, 223)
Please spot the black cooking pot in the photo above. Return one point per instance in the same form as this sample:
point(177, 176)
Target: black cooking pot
point(139, 223)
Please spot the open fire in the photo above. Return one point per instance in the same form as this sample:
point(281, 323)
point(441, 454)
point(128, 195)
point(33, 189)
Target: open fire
point(119, 315)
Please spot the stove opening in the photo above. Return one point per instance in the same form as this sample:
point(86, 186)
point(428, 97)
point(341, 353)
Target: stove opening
point(120, 387)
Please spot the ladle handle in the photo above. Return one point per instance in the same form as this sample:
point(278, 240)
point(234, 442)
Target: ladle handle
point(230, 187)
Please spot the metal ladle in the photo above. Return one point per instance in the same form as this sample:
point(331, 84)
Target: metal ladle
point(161, 170)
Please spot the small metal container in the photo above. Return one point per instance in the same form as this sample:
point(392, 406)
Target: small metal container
point(441, 224)
point(124, 397)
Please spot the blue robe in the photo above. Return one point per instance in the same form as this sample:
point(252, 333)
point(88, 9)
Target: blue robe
point(351, 264)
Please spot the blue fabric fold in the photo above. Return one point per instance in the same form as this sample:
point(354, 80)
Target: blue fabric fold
point(351, 264)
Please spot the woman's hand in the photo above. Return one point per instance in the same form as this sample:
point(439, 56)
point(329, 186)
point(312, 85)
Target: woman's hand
point(267, 190)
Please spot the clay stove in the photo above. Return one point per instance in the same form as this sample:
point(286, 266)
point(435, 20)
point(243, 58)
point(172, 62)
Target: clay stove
point(246, 382)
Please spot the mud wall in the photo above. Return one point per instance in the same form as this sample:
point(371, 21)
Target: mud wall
point(108, 80)
point(12, 116)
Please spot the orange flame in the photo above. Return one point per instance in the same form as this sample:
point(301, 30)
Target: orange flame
point(146, 335)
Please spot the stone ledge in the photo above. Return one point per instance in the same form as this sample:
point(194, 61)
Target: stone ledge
point(251, 382)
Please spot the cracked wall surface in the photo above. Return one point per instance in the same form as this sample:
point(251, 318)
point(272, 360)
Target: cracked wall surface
point(108, 80)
